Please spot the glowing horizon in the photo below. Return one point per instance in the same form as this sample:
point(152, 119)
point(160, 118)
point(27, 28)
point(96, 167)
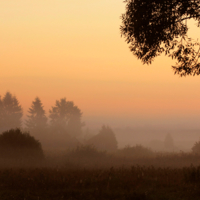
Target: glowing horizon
point(73, 49)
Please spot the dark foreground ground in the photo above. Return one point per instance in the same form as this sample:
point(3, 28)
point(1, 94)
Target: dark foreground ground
point(168, 177)
point(135, 183)
point(138, 183)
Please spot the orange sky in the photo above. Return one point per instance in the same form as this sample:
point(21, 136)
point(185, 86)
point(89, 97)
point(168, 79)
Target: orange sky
point(73, 49)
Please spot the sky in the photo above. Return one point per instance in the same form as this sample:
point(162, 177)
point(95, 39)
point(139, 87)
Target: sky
point(73, 49)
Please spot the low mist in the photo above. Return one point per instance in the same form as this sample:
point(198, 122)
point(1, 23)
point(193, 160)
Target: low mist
point(62, 136)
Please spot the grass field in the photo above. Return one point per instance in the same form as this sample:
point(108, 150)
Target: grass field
point(139, 183)
point(159, 178)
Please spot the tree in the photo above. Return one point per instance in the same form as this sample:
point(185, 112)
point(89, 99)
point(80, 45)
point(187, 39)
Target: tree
point(66, 117)
point(74, 123)
point(37, 121)
point(155, 27)
point(16, 144)
point(105, 140)
point(10, 112)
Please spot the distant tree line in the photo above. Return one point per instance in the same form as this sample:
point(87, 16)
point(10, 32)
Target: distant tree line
point(61, 128)
point(63, 117)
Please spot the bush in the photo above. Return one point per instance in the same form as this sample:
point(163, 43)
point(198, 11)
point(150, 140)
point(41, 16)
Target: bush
point(15, 144)
point(135, 151)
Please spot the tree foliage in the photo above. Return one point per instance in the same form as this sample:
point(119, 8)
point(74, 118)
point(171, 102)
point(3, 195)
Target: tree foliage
point(10, 112)
point(105, 140)
point(66, 116)
point(16, 144)
point(74, 126)
point(155, 27)
point(37, 119)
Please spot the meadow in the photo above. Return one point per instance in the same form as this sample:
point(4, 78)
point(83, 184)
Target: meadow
point(163, 176)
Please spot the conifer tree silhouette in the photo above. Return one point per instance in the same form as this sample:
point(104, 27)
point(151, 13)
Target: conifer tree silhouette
point(10, 112)
point(37, 120)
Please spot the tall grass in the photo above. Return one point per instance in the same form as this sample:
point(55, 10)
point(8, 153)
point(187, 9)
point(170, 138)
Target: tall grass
point(137, 182)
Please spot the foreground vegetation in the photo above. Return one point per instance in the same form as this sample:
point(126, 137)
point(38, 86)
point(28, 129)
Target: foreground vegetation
point(137, 182)
point(97, 175)
point(26, 172)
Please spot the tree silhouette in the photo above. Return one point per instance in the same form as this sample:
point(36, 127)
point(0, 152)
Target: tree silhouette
point(105, 140)
point(66, 117)
point(10, 112)
point(155, 27)
point(74, 124)
point(16, 144)
point(37, 121)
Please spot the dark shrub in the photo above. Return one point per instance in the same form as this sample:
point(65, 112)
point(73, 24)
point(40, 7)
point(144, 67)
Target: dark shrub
point(15, 144)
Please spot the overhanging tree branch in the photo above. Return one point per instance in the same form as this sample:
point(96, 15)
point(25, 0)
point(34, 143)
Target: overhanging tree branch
point(155, 27)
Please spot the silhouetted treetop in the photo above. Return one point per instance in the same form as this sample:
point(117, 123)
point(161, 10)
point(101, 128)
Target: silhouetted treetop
point(36, 118)
point(10, 112)
point(66, 117)
point(60, 113)
point(75, 124)
point(160, 26)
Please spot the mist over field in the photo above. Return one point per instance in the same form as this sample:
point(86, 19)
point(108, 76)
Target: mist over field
point(64, 137)
point(65, 127)
point(185, 130)
point(82, 113)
